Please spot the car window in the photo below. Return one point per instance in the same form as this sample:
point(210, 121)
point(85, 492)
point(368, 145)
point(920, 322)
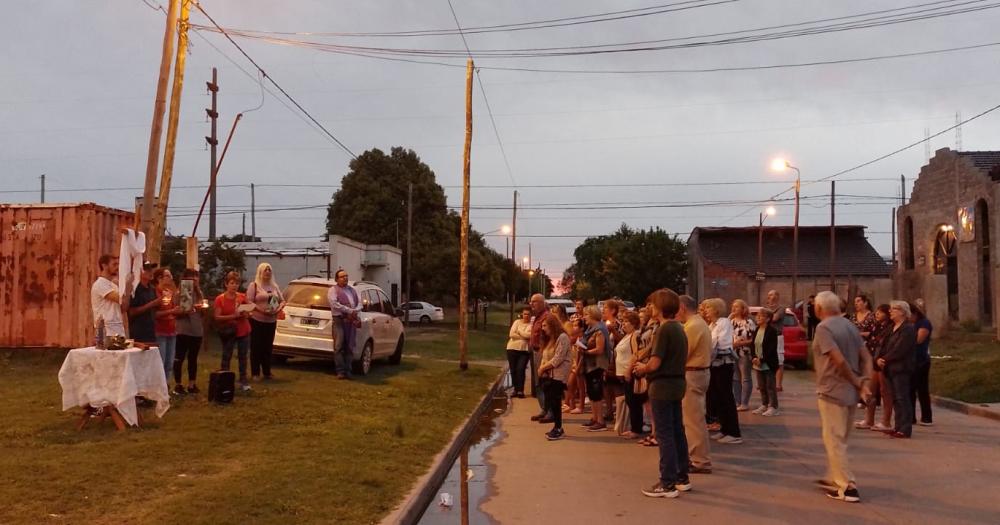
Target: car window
point(305, 295)
point(386, 303)
point(369, 303)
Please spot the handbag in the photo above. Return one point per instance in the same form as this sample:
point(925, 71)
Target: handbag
point(640, 385)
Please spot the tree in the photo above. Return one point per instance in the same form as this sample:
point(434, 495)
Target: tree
point(215, 259)
point(371, 202)
point(628, 264)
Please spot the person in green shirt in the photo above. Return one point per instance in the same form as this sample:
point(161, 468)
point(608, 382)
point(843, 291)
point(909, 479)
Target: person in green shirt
point(665, 373)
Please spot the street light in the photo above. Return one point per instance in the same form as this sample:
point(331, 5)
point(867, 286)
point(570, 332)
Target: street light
point(531, 275)
point(524, 260)
point(780, 164)
point(768, 212)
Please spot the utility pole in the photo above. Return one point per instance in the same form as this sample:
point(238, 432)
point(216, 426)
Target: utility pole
point(43, 187)
point(513, 245)
point(902, 190)
point(895, 261)
point(244, 226)
point(166, 177)
point(156, 130)
point(833, 237)
point(213, 141)
point(409, 246)
point(463, 279)
point(253, 212)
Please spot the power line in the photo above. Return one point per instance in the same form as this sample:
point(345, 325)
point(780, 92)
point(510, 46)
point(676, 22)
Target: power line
point(275, 83)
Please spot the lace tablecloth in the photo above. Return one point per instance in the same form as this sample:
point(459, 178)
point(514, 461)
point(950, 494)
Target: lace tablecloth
point(91, 377)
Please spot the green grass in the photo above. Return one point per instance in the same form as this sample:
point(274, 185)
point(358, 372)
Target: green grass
point(302, 449)
point(440, 341)
point(970, 373)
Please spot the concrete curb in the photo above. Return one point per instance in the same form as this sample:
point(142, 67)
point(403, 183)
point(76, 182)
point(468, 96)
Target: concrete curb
point(424, 491)
point(965, 408)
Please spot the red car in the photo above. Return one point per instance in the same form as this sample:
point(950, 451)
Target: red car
point(796, 341)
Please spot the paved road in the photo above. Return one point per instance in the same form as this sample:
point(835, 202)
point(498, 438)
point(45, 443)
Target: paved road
point(949, 473)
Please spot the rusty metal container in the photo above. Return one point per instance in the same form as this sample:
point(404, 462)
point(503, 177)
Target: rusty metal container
point(48, 261)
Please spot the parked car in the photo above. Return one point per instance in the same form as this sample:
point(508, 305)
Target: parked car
point(570, 305)
point(796, 341)
point(629, 305)
point(419, 311)
point(306, 327)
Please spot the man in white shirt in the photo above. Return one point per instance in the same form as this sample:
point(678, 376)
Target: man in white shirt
point(104, 299)
point(345, 305)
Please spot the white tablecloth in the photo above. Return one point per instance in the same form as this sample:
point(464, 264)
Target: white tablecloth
point(92, 377)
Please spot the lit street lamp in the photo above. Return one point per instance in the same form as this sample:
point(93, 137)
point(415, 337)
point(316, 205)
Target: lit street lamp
point(770, 211)
point(781, 165)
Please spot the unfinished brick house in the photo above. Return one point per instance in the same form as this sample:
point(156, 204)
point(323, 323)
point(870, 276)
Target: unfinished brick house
point(722, 262)
point(945, 231)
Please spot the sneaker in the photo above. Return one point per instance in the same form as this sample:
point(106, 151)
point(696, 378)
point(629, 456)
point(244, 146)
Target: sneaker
point(555, 434)
point(179, 390)
point(193, 389)
point(760, 410)
point(683, 484)
point(590, 423)
point(716, 435)
point(850, 495)
point(771, 412)
point(599, 427)
point(925, 423)
point(743, 408)
point(659, 491)
point(862, 425)
point(879, 427)
point(245, 387)
point(576, 411)
point(699, 470)
point(732, 440)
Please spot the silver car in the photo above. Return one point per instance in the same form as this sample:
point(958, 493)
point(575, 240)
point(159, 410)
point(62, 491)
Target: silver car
point(306, 329)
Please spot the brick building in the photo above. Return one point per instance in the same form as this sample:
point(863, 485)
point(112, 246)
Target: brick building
point(944, 238)
point(722, 262)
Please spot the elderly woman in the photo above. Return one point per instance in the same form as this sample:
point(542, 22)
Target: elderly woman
point(517, 351)
point(596, 352)
point(720, 385)
point(626, 352)
point(898, 360)
point(765, 363)
point(743, 329)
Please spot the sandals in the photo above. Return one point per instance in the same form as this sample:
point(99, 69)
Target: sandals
point(648, 441)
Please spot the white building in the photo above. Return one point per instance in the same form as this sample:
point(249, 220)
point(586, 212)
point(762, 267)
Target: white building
point(377, 263)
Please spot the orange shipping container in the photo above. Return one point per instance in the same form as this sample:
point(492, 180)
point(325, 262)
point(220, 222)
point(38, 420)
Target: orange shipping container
point(48, 261)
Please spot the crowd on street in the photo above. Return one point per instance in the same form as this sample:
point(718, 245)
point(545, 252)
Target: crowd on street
point(674, 374)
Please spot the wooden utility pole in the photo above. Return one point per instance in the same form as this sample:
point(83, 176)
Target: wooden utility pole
point(169, 151)
point(253, 213)
point(213, 142)
point(43, 187)
point(409, 246)
point(513, 244)
point(833, 236)
point(156, 131)
point(463, 264)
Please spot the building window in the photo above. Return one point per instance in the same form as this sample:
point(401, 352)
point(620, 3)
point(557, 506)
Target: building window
point(908, 259)
point(986, 268)
point(944, 249)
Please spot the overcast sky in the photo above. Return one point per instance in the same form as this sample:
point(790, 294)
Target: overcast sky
point(79, 78)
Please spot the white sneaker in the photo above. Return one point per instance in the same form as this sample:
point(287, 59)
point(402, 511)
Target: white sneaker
point(716, 435)
point(771, 412)
point(760, 410)
point(731, 440)
point(245, 387)
point(742, 408)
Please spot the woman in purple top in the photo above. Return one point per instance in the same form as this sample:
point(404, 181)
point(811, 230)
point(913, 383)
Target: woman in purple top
point(268, 302)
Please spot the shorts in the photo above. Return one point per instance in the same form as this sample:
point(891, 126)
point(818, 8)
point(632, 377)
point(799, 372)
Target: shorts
point(595, 384)
point(781, 350)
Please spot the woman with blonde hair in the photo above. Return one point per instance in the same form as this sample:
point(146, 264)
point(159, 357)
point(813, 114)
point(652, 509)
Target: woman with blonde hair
point(743, 329)
point(553, 372)
point(265, 294)
point(720, 387)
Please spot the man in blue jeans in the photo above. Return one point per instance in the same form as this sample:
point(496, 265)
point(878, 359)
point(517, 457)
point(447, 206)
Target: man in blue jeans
point(665, 373)
point(345, 305)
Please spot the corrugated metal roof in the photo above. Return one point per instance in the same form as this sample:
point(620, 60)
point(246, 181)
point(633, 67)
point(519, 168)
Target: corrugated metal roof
point(988, 161)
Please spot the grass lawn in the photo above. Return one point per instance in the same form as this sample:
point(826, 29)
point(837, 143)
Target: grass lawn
point(440, 341)
point(970, 373)
point(304, 448)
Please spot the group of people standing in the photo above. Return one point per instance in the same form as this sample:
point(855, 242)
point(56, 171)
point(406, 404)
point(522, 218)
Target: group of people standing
point(157, 316)
point(689, 368)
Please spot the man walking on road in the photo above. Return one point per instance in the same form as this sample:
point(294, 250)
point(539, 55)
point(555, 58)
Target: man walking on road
point(843, 371)
point(344, 307)
point(697, 375)
point(538, 341)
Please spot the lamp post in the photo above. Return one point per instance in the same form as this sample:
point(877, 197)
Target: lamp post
point(782, 165)
point(760, 249)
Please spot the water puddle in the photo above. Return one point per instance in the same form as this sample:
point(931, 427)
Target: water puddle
point(467, 483)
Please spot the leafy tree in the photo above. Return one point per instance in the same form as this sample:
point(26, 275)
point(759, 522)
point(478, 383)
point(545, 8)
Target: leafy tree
point(628, 264)
point(371, 202)
point(215, 259)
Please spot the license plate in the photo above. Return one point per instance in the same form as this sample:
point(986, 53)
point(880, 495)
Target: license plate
point(309, 321)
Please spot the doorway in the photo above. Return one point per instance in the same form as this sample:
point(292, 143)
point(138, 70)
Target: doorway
point(982, 224)
point(946, 263)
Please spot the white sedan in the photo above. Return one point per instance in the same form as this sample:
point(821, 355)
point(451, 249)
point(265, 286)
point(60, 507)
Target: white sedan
point(419, 311)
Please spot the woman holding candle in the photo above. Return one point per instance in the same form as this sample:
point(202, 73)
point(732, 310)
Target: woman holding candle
point(166, 317)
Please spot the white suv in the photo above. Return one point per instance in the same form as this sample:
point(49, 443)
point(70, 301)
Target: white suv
point(306, 328)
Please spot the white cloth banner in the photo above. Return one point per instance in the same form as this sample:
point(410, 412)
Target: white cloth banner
point(130, 261)
point(91, 377)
